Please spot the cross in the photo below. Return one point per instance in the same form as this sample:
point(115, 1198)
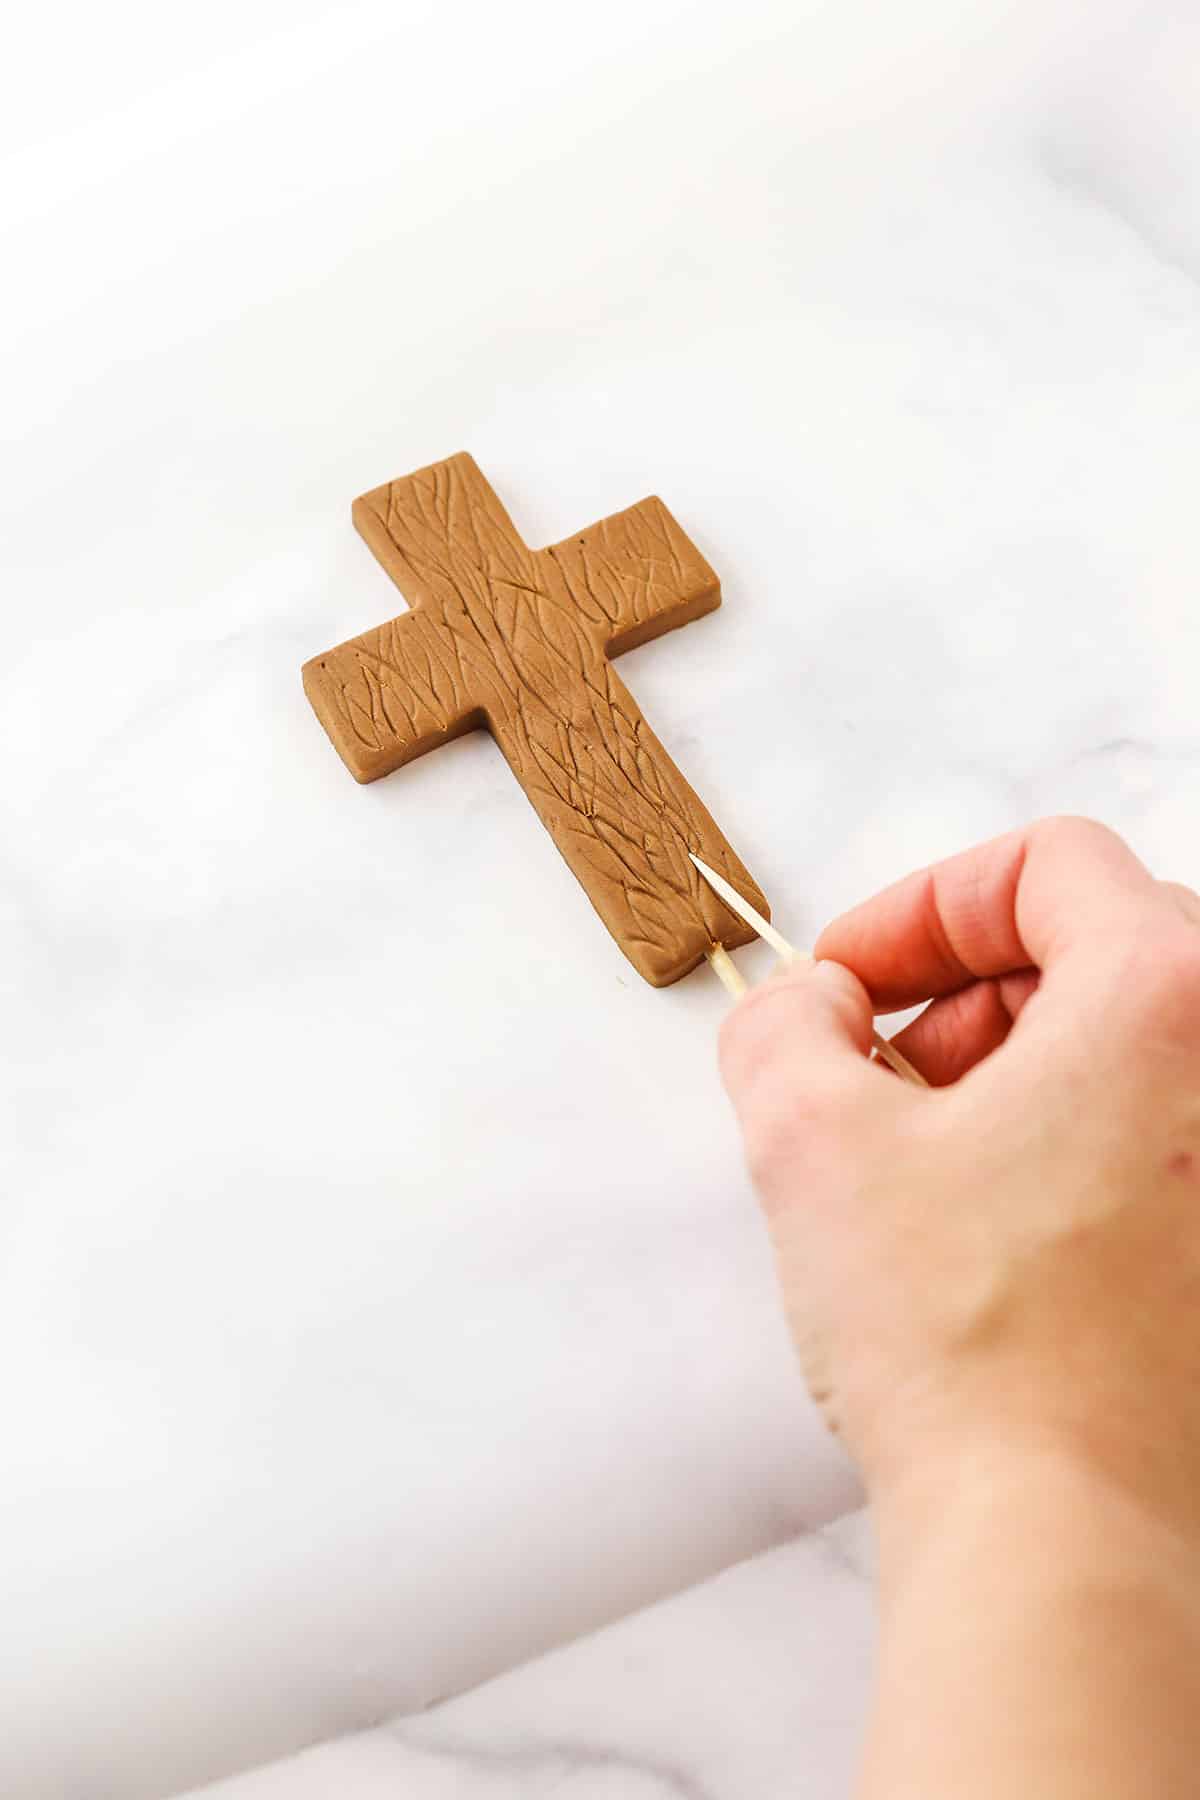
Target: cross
point(518, 641)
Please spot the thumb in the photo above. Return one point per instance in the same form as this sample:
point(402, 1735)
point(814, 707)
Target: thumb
point(794, 1057)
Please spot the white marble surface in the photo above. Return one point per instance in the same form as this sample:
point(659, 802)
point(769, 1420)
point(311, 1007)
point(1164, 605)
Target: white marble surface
point(753, 1683)
point(382, 1301)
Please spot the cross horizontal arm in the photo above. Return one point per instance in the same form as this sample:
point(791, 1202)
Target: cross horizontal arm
point(390, 695)
point(633, 576)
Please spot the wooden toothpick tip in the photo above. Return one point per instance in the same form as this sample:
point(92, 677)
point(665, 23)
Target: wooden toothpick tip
point(736, 984)
point(750, 914)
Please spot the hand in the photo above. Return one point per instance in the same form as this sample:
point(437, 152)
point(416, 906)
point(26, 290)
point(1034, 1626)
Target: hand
point(1011, 1257)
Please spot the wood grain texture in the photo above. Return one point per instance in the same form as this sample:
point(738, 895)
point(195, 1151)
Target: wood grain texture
point(517, 641)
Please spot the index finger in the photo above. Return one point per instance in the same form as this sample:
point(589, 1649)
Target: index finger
point(1015, 902)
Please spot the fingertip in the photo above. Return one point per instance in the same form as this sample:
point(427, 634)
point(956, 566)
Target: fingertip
point(839, 940)
point(808, 1001)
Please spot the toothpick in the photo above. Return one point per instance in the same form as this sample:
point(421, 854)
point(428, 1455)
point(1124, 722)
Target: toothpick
point(744, 910)
point(895, 1059)
point(736, 984)
point(727, 971)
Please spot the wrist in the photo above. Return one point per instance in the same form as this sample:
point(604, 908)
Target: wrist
point(1040, 1633)
point(1066, 1509)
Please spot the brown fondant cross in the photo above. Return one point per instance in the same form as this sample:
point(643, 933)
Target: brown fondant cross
point(518, 641)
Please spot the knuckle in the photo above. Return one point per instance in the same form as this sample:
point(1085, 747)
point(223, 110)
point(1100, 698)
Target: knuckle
point(776, 1135)
point(1075, 829)
point(795, 1130)
point(1183, 964)
point(1186, 899)
point(1162, 982)
point(765, 1157)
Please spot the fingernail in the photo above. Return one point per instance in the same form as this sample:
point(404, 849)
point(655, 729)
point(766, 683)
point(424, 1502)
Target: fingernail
point(828, 971)
point(802, 967)
point(831, 975)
